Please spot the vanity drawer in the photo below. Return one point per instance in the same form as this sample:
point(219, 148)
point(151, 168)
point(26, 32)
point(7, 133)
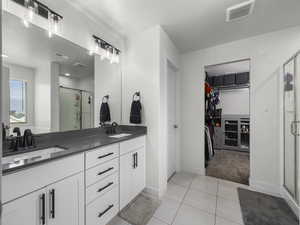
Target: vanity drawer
point(102, 210)
point(99, 172)
point(102, 187)
point(101, 155)
point(131, 145)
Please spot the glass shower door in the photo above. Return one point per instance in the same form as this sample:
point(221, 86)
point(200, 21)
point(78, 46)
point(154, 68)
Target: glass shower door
point(70, 109)
point(290, 128)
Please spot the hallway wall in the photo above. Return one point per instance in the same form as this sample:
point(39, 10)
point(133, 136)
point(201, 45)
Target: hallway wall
point(267, 53)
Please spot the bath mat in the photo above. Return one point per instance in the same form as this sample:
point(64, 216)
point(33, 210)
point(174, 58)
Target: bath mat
point(140, 210)
point(262, 209)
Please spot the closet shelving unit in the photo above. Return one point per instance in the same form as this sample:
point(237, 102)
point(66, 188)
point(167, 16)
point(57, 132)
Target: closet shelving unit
point(234, 133)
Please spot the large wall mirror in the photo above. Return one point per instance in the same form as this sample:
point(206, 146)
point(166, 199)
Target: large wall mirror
point(52, 84)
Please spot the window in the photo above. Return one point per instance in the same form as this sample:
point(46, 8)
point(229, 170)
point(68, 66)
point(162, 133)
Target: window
point(17, 112)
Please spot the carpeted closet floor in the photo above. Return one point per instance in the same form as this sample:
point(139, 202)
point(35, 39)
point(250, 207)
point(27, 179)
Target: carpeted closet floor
point(230, 165)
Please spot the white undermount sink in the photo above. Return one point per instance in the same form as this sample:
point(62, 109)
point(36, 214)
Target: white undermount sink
point(30, 157)
point(120, 135)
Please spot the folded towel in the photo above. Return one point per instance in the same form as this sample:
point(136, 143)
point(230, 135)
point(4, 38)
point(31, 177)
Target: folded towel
point(135, 113)
point(104, 112)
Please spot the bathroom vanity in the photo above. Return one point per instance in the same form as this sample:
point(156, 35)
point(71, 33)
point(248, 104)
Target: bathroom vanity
point(88, 179)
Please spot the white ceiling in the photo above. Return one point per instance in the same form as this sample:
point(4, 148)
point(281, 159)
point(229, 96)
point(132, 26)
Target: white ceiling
point(193, 24)
point(228, 68)
point(31, 47)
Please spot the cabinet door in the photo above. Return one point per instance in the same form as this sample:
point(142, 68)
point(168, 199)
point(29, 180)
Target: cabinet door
point(30, 209)
point(139, 172)
point(126, 179)
point(66, 201)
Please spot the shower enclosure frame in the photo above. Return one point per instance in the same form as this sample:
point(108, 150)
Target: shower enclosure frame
point(294, 127)
point(92, 111)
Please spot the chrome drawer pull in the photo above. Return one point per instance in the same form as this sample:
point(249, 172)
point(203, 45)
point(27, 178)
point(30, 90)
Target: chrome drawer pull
point(103, 188)
point(103, 156)
point(105, 211)
point(105, 171)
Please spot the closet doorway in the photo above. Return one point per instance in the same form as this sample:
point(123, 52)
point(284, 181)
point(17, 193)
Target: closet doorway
point(227, 121)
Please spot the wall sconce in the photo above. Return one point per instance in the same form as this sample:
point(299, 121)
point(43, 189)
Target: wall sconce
point(106, 50)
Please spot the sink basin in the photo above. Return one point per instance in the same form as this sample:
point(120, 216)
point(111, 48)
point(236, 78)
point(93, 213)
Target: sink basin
point(28, 158)
point(120, 135)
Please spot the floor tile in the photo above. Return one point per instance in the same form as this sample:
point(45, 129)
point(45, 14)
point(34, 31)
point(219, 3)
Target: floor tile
point(182, 179)
point(233, 184)
point(118, 221)
point(175, 192)
point(229, 210)
point(228, 191)
point(221, 221)
point(201, 200)
point(155, 221)
point(205, 184)
point(188, 215)
point(167, 210)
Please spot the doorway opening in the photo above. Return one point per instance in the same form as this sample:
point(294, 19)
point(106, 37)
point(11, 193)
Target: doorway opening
point(227, 121)
point(171, 120)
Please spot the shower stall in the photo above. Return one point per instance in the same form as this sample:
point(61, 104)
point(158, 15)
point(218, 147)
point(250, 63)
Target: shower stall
point(76, 109)
point(291, 126)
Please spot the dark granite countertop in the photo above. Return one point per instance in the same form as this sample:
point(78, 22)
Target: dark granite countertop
point(73, 142)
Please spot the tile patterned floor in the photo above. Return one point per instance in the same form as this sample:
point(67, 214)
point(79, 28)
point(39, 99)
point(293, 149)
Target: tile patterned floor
point(197, 200)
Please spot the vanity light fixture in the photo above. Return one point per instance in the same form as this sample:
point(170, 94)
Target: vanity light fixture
point(34, 7)
point(106, 50)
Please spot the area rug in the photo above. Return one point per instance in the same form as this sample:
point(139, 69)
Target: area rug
point(140, 210)
point(230, 165)
point(262, 209)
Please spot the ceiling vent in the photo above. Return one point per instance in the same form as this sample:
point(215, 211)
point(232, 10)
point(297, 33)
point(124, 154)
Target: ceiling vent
point(62, 56)
point(78, 64)
point(240, 11)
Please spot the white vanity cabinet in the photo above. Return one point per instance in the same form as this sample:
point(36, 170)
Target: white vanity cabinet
point(132, 169)
point(85, 189)
point(25, 210)
point(60, 201)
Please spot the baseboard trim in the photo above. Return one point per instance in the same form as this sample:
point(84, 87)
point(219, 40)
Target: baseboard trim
point(151, 191)
point(291, 202)
point(266, 188)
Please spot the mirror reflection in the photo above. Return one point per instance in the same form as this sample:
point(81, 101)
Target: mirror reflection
point(52, 84)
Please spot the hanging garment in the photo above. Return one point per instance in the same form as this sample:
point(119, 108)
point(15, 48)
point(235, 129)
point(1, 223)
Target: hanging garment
point(209, 143)
point(135, 113)
point(104, 113)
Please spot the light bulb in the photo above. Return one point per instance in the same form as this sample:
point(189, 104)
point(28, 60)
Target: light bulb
point(26, 23)
point(117, 59)
point(91, 52)
point(50, 34)
point(30, 13)
point(96, 47)
point(55, 27)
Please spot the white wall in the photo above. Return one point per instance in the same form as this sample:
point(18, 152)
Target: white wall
point(5, 95)
point(141, 73)
point(235, 102)
point(43, 97)
point(145, 69)
point(267, 53)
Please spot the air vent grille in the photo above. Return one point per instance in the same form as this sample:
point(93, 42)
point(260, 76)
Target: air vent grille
point(240, 11)
point(78, 64)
